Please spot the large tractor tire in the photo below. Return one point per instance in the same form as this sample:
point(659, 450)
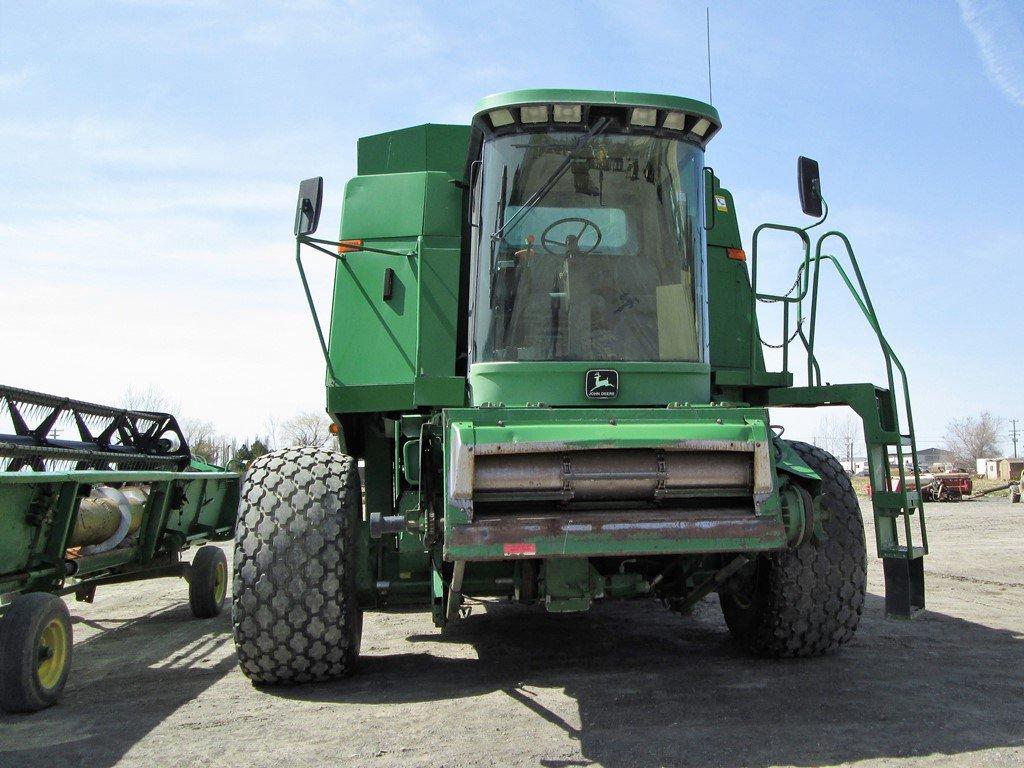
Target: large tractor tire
point(806, 601)
point(294, 609)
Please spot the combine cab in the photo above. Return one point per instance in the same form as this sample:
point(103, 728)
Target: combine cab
point(544, 353)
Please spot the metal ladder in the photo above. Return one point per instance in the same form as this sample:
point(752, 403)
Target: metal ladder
point(894, 509)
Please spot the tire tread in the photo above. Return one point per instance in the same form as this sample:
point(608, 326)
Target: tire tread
point(295, 616)
point(811, 600)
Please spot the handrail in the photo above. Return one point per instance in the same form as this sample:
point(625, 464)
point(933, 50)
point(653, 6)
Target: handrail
point(808, 282)
point(786, 299)
point(863, 299)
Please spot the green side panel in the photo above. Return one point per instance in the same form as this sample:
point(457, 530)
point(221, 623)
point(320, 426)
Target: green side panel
point(398, 352)
point(420, 148)
point(19, 537)
point(733, 327)
point(207, 513)
point(729, 291)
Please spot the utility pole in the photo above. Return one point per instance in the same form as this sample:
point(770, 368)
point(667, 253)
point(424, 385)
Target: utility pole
point(1013, 436)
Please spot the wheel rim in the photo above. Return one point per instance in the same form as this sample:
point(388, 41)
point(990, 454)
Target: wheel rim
point(220, 583)
point(53, 654)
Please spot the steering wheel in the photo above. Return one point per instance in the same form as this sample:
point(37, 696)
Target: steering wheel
point(571, 245)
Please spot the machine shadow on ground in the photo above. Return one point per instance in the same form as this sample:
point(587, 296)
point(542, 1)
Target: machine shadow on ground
point(125, 680)
point(656, 689)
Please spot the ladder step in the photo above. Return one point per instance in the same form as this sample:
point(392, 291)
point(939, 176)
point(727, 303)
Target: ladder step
point(913, 553)
point(887, 439)
point(893, 503)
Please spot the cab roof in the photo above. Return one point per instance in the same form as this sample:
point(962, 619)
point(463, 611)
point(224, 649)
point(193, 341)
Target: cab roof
point(489, 109)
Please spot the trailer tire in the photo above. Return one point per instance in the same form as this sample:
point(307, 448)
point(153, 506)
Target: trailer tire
point(35, 652)
point(1014, 495)
point(295, 615)
point(208, 582)
point(806, 601)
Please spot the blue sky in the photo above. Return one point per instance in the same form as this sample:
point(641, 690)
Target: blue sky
point(150, 150)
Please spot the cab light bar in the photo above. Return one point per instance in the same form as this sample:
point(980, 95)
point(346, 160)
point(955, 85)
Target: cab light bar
point(641, 117)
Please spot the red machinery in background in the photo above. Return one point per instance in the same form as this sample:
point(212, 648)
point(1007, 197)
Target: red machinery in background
point(948, 486)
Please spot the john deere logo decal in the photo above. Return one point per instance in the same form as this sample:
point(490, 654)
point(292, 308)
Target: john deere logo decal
point(602, 383)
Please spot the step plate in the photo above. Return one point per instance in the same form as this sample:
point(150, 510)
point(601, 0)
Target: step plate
point(904, 586)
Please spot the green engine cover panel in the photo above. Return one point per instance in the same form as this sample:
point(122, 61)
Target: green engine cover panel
point(420, 148)
point(395, 349)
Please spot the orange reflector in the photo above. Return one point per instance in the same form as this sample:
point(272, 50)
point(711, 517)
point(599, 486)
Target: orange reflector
point(736, 253)
point(347, 246)
point(334, 428)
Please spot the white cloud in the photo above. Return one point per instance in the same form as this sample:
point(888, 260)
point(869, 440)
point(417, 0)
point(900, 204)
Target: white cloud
point(998, 29)
point(13, 81)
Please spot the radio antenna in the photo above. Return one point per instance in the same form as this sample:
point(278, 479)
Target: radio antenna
point(707, 19)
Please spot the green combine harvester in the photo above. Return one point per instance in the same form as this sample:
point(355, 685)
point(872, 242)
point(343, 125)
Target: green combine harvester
point(544, 355)
point(89, 496)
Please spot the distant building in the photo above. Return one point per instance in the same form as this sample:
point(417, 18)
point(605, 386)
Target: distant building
point(1009, 469)
point(1004, 468)
point(935, 460)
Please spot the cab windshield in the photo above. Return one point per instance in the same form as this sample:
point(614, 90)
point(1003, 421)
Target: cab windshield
point(589, 249)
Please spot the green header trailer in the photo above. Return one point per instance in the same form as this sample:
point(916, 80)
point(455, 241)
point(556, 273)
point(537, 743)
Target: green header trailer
point(89, 496)
point(546, 370)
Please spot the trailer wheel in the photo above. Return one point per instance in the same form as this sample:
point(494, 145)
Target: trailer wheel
point(806, 601)
point(1014, 495)
point(35, 652)
point(208, 582)
point(294, 609)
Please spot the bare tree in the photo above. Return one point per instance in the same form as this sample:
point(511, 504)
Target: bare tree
point(273, 429)
point(972, 438)
point(307, 429)
point(841, 438)
point(147, 398)
point(202, 438)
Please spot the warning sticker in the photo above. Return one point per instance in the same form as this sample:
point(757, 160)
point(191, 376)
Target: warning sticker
point(520, 550)
point(720, 203)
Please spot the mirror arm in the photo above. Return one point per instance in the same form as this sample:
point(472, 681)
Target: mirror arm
point(312, 308)
point(824, 206)
point(313, 241)
point(318, 243)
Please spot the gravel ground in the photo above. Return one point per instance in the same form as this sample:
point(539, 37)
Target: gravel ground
point(625, 684)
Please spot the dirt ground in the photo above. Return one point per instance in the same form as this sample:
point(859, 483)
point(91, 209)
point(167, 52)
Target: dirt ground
point(626, 684)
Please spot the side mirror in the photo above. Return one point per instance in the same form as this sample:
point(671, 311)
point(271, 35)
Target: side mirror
point(810, 185)
point(307, 209)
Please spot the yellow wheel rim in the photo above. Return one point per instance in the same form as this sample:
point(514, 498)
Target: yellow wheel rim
point(53, 653)
point(220, 583)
